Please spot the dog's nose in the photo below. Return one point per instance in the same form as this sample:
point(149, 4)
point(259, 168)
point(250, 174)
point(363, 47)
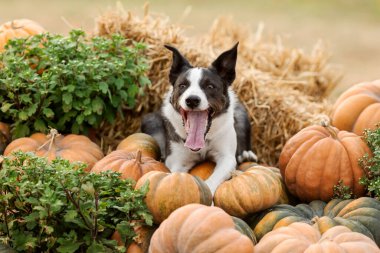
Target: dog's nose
point(193, 101)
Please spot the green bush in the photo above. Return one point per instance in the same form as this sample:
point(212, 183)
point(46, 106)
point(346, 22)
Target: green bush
point(371, 165)
point(69, 83)
point(57, 207)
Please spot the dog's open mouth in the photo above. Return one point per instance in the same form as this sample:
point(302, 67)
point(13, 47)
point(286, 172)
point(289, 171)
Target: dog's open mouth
point(196, 126)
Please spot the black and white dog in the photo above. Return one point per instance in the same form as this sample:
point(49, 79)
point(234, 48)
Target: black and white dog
point(201, 118)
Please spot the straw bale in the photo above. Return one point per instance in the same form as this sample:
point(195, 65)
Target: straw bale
point(283, 88)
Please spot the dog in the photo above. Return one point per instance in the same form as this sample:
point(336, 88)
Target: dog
point(201, 118)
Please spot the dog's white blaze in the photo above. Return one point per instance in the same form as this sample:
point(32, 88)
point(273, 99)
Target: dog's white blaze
point(194, 77)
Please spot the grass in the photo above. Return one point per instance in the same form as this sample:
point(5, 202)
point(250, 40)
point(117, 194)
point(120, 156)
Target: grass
point(349, 27)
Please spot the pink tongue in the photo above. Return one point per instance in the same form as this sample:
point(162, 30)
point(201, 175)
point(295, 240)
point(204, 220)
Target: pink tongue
point(196, 124)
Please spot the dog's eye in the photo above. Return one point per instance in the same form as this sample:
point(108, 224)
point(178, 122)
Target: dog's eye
point(182, 86)
point(210, 86)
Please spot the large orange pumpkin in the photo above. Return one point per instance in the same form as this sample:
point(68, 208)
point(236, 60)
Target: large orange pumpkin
point(358, 108)
point(197, 228)
point(19, 28)
point(169, 191)
point(5, 136)
point(75, 148)
point(143, 142)
point(130, 165)
point(248, 192)
point(318, 157)
point(302, 238)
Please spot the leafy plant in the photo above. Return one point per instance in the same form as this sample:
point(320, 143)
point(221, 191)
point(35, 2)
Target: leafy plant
point(57, 207)
point(371, 164)
point(342, 191)
point(69, 83)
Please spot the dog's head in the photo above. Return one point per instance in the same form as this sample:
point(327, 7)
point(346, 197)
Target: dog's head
point(201, 94)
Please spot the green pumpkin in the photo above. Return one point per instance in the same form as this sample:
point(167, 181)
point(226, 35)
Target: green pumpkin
point(360, 215)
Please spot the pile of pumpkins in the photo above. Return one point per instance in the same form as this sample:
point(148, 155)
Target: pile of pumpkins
point(255, 210)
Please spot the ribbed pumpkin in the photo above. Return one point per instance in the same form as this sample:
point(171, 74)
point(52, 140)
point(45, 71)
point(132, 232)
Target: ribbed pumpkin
point(318, 157)
point(19, 28)
point(130, 165)
point(358, 108)
point(303, 238)
point(5, 136)
point(248, 192)
point(73, 147)
point(143, 142)
point(197, 228)
point(141, 242)
point(361, 215)
point(203, 170)
point(169, 191)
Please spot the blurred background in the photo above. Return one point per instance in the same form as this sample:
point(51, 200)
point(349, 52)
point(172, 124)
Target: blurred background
point(349, 28)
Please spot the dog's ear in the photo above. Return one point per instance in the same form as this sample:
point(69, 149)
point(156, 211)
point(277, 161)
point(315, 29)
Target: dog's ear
point(225, 64)
point(179, 64)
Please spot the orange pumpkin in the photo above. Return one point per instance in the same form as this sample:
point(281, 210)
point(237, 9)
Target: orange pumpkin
point(300, 237)
point(75, 148)
point(19, 28)
point(5, 136)
point(140, 141)
point(197, 228)
point(248, 192)
point(169, 191)
point(130, 165)
point(203, 170)
point(318, 157)
point(358, 108)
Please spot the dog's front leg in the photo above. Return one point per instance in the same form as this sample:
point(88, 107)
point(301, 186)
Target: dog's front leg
point(179, 159)
point(223, 169)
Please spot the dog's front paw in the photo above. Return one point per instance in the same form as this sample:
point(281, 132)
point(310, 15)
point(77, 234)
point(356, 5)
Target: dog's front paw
point(247, 156)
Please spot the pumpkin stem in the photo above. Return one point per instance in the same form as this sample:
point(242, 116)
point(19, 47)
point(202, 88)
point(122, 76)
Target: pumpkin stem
point(138, 156)
point(52, 135)
point(326, 124)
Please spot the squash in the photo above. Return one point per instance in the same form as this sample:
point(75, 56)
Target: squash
point(140, 242)
point(140, 141)
point(203, 170)
point(169, 191)
point(197, 228)
point(300, 237)
point(5, 136)
point(318, 157)
point(130, 165)
point(248, 192)
point(361, 215)
point(358, 108)
point(19, 28)
point(72, 147)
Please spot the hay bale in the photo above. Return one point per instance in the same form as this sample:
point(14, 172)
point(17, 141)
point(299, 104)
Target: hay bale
point(282, 88)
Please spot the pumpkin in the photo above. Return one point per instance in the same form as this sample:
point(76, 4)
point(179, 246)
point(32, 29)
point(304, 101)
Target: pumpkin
point(130, 165)
point(318, 157)
point(203, 170)
point(75, 148)
point(19, 28)
point(5, 136)
point(140, 242)
point(361, 215)
point(248, 192)
point(300, 237)
point(169, 191)
point(140, 141)
point(358, 108)
point(197, 228)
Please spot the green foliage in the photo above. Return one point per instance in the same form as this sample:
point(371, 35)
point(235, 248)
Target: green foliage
point(371, 164)
point(68, 83)
point(57, 207)
point(342, 191)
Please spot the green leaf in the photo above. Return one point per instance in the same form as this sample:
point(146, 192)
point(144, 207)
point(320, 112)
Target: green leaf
point(67, 98)
point(103, 87)
point(48, 112)
point(23, 115)
point(97, 105)
point(6, 106)
point(21, 130)
point(40, 126)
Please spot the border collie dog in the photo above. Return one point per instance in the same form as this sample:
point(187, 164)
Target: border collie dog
point(201, 118)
